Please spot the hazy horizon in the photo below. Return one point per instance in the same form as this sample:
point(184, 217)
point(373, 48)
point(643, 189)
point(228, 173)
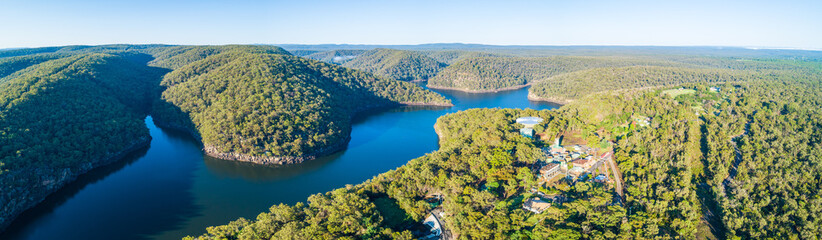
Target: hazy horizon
point(422, 44)
point(751, 24)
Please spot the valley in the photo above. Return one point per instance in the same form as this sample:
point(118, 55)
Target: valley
point(180, 138)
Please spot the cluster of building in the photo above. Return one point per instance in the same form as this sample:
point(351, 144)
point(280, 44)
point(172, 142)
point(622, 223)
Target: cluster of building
point(571, 162)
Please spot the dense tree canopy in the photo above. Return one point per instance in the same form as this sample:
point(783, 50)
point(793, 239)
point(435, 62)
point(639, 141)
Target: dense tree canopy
point(66, 110)
point(492, 73)
point(734, 153)
point(274, 105)
point(683, 69)
point(481, 170)
point(178, 56)
point(396, 64)
point(304, 53)
point(453, 56)
point(725, 160)
point(763, 151)
point(566, 87)
point(13, 64)
point(62, 117)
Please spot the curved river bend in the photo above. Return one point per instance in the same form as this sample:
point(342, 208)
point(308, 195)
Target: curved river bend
point(172, 189)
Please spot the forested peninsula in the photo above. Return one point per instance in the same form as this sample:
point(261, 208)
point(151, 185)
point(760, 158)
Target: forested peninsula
point(271, 108)
point(67, 110)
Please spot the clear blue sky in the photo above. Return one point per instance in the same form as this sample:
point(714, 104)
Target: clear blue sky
point(776, 23)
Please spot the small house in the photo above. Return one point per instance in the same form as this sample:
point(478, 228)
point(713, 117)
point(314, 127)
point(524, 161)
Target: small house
point(536, 205)
point(549, 170)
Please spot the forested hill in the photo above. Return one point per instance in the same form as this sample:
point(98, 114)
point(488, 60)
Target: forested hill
point(273, 108)
point(13, 64)
point(397, 64)
point(63, 117)
point(494, 73)
point(80, 49)
point(178, 56)
point(453, 56)
point(67, 110)
point(739, 161)
point(568, 87)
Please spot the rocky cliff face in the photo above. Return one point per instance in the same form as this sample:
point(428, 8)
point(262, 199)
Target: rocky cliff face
point(25, 189)
point(276, 160)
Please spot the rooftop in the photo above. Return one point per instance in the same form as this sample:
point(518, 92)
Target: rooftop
point(536, 205)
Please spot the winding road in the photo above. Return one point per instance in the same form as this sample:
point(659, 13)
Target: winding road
point(609, 157)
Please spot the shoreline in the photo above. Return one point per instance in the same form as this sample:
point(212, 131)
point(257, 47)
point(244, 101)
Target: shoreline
point(416, 104)
point(437, 131)
point(531, 96)
point(212, 151)
point(557, 101)
point(51, 186)
point(480, 91)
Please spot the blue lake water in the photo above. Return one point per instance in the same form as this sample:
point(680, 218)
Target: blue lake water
point(171, 189)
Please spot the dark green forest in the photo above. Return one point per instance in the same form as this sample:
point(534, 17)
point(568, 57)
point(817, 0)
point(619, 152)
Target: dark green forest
point(732, 150)
point(179, 56)
point(763, 146)
point(396, 64)
point(729, 160)
point(67, 110)
point(452, 56)
point(13, 64)
point(62, 117)
point(479, 148)
point(275, 107)
point(493, 73)
point(566, 77)
point(567, 87)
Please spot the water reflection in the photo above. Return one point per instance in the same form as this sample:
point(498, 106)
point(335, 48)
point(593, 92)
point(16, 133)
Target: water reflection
point(259, 173)
point(47, 207)
point(148, 192)
point(172, 189)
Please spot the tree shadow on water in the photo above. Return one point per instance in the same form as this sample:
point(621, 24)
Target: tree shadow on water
point(146, 193)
